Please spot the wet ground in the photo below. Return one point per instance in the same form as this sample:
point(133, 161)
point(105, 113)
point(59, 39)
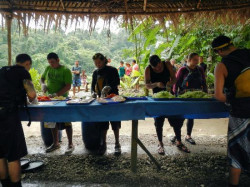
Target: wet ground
point(206, 165)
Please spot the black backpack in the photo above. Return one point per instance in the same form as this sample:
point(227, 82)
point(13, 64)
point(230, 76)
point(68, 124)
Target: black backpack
point(193, 76)
point(11, 98)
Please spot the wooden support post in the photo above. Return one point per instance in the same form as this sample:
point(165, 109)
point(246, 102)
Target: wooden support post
point(149, 154)
point(134, 146)
point(8, 22)
point(145, 5)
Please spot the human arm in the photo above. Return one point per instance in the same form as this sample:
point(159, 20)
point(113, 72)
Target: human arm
point(172, 75)
point(93, 83)
point(42, 81)
point(220, 76)
point(179, 80)
point(30, 90)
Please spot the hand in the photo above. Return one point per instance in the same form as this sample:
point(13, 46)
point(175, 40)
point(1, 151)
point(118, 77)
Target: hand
point(168, 86)
point(44, 88)
point(94, 95)
point(160, 85)
point(52, 95)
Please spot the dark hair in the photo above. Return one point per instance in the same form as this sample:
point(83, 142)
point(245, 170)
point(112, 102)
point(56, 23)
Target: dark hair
point(52, 56)
point(154, 60)
point(21, 58)
point(122, 62)
point(134, 61)
point(192, 55)
point(221, 43)
point(101, 57)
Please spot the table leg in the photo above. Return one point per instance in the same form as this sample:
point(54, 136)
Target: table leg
point(148, 153)
point(134, 146)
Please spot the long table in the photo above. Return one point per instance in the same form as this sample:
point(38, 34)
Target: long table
point(130, 110)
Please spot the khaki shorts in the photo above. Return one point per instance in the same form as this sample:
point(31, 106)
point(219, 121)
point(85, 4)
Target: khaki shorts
point(61, 126)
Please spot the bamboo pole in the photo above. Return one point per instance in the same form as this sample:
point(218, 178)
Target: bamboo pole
point(9, 21)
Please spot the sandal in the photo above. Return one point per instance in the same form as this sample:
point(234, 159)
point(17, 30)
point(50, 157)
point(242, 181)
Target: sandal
point(102, 149)
point(161, 150)
point(52, 148)
point(118, 149)
point(190, 140)
point(173, 139)
point(69, 150)
point(183, 148)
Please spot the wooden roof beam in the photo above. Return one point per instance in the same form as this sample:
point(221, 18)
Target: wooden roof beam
point(145, 5)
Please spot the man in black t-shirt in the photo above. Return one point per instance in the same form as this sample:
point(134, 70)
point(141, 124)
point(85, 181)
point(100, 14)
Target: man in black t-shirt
point(234, 69)
point(16, 85)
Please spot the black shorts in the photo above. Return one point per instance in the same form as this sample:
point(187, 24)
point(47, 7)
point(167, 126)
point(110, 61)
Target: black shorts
point(12, 141)
point(105, 125)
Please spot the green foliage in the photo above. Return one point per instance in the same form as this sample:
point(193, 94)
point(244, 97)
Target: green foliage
point(128, 82)
point(210, 80)
point(35, 76)
point(153, 38)
point(77, 45)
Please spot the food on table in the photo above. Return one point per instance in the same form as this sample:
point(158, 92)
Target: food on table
point(163, 95)
point(43, 98)
point(133, 94)
point(195, 95)
point(102, 100)
point(81, 101)
point(118, 98)
point(111, 95)
point(59, 98)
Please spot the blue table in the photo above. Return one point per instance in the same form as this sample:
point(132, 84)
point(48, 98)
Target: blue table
point(130, 110)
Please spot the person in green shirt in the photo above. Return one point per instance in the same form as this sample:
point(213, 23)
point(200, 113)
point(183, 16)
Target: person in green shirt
point(56, 81)
point(121, 70)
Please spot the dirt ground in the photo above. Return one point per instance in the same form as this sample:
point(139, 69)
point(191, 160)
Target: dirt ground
point(206, 165)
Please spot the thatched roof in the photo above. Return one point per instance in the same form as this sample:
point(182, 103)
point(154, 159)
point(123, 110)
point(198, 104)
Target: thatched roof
point(53, 11)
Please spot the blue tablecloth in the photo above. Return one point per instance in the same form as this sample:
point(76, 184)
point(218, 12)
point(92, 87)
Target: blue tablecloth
point(131, 110)
point(186, 109)
point(61, 112)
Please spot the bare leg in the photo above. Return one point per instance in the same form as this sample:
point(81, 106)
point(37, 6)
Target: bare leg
point(116, 133)
point(15, 171)
point(78, 88)
point(3, 169)
point(74, 91)
point(55, 136)
point(69, 132)
point(86, 89)
point(234, 176)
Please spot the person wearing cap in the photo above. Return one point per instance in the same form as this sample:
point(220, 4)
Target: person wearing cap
point(232, 75)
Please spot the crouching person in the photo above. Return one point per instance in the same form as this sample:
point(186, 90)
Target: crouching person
point(16, 86)
point(56, 80)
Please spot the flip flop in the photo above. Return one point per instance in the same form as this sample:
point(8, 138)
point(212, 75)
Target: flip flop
point(190, 140)
point(53, 148)
point(117, 150)
point(161, 150)
point(69, 150)
point(183, 148)
point(173, 139)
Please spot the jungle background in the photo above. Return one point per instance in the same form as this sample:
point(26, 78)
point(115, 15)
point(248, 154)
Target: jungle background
point(137, 41)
